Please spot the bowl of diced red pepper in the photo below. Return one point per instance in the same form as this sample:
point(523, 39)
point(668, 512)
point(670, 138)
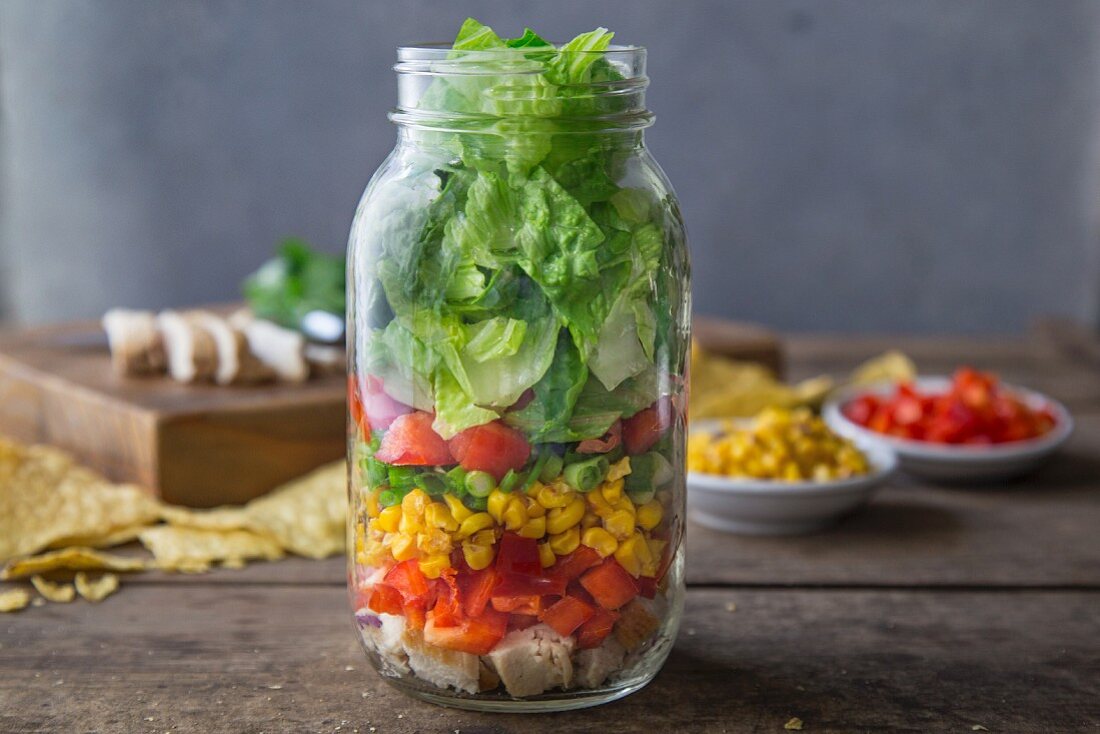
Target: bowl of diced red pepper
point(970, 426)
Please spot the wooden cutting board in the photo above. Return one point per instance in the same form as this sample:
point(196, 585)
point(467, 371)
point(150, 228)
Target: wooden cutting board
point(203, 445)
point(196, 445)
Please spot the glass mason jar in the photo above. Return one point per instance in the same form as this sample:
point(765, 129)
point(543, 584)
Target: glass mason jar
point(518, 316)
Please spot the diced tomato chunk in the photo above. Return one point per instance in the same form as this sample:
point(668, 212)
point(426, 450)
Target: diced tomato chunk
point(411, 441)
point(476, 589)
point(645, 428)
point(492, 447)
point(384, 599)
point(573, 565)
point(593, 632)
point(518, 555)
point(607, 442)
point(610, 584)
point(567, 614)
point(476, 636)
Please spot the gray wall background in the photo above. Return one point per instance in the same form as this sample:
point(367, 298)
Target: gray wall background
point(843, 165)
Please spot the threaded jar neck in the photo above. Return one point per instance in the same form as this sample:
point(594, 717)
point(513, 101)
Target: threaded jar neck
point(533, 89)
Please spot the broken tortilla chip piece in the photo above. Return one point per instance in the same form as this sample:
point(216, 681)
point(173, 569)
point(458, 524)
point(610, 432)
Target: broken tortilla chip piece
point(70, 559)
point(893, 366)
point(60, 593)
point(13, 600)
point(192, 550)
point(46, 499)
point(306, 516)
point(98, 589)
point(218, 518)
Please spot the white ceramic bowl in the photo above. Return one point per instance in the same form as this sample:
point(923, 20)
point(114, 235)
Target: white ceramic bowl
point(766, 507)
point(952, 463)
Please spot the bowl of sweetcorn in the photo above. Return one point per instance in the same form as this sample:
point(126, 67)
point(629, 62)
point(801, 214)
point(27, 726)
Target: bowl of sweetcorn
point(783, 472)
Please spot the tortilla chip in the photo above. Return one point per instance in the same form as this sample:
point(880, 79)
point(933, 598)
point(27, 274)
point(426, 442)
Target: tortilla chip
point(219, 518)
point(193, 550)
point(97, 590)
point(70, 559)
point(13, 600)
point(45, 498)
point(307, 515)
point(60, 593)
point(119, 536)
point(893, 366)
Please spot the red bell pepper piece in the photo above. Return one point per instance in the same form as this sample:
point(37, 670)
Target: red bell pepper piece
point(473, 635)
point(593, 632)
point(647, 587)
point(530, 605)
point(610, 584)
point(518, 555)
point(476, 589)
point(567, 614)
point(523, 585)
point(521, 621)
point(384, 599)
point(408, 579)
point(573, 565)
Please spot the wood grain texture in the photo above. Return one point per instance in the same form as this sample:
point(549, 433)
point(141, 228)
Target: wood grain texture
point(198, 445)
point(284, 659)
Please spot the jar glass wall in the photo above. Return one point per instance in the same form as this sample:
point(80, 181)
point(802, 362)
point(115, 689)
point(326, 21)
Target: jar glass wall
point(518, 327)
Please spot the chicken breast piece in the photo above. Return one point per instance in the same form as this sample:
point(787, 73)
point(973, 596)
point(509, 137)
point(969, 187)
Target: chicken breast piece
point(440, 667)
point(192, 354)
point(533, 660)
point(237, 365)
point(388, 641)
point(137, 347)
point(591, 667)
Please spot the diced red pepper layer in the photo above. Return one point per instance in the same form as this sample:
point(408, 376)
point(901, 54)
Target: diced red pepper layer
point(593, 632)
point(492, 447)
point(573, 565)
point(645, 428)
point(610, 584)
point(476, 590)
point(518, 555)
point(975, 410)
point(530, 605)
point(384, 599)
point(411, 441)
point(524, 585)
point(647, 587)
point(475, 635)
point(567, 614)
point(407, 578)
point(521, 621)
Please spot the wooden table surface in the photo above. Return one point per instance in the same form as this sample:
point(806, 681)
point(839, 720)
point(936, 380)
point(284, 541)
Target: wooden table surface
point(934, 609)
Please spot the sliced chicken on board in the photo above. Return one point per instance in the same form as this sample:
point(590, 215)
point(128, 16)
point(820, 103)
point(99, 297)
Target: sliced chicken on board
point(237, 365)
point(280, 349)
point(192, 353)
point(137, 347)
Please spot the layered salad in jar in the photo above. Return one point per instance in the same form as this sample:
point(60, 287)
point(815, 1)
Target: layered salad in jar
point(516, 404)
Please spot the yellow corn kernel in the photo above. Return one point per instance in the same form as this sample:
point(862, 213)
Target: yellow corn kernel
point(565, 543)
point(484, 537)
point(600, 541)
point(403, 547)
point(535, 527)
point(656, 552)
point(590, 520)
point(534, 489)
point(414, 502)
point(561, 519)
point(434, 565)
point(551, 496)
point(627, 555)
point(370, 502)
point(626, 505)
point(599, 504)
point(474, 523)
point(534, 509)
point(477, 556)
point(458, 510)
point(650, 514)
point(409, 524)
point(496, 504)
point(619, 469)
point(389, 519)
point(612, 491)
point(438, 515)
point(514, 515)
point(619, 523)
point(433, 541)
point(546, 555)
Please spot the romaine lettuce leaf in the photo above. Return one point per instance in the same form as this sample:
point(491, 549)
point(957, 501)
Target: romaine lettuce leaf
point(494, 338)
point(455, 409)
point(499, 382)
